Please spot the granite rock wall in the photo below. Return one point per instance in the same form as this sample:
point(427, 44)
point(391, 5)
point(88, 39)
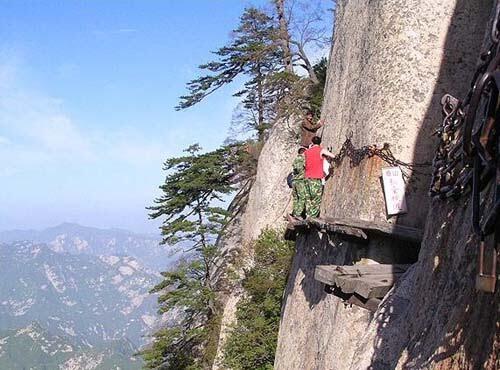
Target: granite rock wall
point(391, 62)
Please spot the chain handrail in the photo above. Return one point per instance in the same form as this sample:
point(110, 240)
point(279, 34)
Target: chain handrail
point(468, 154)
point(357, 155)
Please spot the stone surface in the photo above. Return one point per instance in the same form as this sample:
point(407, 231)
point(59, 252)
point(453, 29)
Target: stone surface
point(390, 64)
point(434, 318)
point(269, 199)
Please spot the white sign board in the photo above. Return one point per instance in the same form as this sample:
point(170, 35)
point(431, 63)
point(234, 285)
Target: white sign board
point(394, 190)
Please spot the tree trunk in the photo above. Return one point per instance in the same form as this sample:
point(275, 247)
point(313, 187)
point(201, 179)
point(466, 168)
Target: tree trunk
point(284, 36)
point(260, 106)
point(306, 63)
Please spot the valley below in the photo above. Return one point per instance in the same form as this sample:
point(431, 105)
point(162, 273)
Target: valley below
point(74, 297)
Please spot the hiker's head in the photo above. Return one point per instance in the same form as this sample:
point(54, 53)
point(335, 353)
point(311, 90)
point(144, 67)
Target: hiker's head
point(309, 115)
point(302, 150)
point(316, 140)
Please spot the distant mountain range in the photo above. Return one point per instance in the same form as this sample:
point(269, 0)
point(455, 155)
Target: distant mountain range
point(33, 347)
point(73, 295)
point(76, 239)
point(91, 298)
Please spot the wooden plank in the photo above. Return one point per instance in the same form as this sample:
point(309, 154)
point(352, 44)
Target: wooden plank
point(340, 229)
point(325, 274)
point(296, 223)
point(370, 304)
point(359, 228)
point(371, 269)
point(328, 273)
point(347, 283)
point(350, 231)
point(368, 281)
point(371, 286)
point(375, 286)
point(403, 232)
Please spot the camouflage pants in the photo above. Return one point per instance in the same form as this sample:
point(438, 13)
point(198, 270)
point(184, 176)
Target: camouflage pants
point(299, 197)
point(313, 200)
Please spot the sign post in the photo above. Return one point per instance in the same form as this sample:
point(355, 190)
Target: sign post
point(394, 190)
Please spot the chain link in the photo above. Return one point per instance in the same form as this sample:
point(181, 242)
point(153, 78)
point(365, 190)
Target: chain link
point(453, 161)
point(468, 155)
point(451, 174)
point(357, 155)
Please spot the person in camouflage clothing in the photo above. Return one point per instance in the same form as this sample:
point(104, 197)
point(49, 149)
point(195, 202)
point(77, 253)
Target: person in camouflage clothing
point(299, 185)
point(314, 192)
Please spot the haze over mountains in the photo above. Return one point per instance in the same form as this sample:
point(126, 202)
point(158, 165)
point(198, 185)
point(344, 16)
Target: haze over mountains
point(73, 293)
point(76, 239)
point(33, 347)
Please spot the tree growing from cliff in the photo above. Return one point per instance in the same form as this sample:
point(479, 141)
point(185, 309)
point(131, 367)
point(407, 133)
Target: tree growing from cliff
point(266, 48)
point(315, 97)
point(283, 35)
point(251, 53)
point(307, 33)
point(194, 183)
point(302, 33)
point(251, 344)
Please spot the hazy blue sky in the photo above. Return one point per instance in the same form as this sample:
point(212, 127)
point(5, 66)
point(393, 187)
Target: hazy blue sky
point(87, 90)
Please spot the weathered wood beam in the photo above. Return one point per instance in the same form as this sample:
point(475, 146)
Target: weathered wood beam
point(324, 274)
point(368, 281)
point(370, 304)
point(402, 232)
point(328, 273)
point(359, 228)
point(371, 269)
point(376, 286)
point(372, 286)
point(339, 229)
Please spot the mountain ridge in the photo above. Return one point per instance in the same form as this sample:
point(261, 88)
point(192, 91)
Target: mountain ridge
point(93, 298)
point(34, 347)
point(77, 239)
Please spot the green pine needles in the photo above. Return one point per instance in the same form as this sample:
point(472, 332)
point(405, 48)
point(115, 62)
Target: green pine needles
point(194, 183)
point(265, 49)
point(253, 53)
point(251, 345)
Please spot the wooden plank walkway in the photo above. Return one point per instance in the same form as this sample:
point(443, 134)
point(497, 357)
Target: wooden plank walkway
point(346, 229)
point(366, 284)
point(359, 229)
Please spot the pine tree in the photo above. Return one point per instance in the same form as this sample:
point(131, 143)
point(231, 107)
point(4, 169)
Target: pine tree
point(193, 184)
point(315, 98)
point(251, 344)
point(253, 53)
point(284, 34)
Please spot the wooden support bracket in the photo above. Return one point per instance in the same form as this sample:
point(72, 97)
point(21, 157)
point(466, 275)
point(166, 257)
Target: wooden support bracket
point(369, 304)
point(366, 281)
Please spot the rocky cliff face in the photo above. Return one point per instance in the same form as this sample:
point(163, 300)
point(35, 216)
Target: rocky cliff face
point(269, 199)
point(391, 62)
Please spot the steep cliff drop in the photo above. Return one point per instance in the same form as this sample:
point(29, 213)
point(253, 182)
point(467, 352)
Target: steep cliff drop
point(390, 64)
point(269, 199)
